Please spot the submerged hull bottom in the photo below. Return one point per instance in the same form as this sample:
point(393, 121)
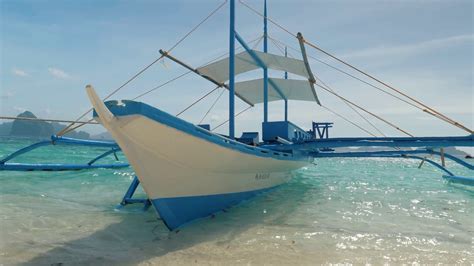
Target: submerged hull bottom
point(180, 210)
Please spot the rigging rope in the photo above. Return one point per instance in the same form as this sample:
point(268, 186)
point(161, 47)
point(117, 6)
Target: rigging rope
point(46, 120)
point(162, 84)
point(269, 19)
point(256, 44)
point(349, 74)
point(185, 73)
point(198, 100)
point(212, 106)
point(76, 127)
point(66, 129)
point(426, 109)
point(355, 110)
point(347, 104)
point(350, 106)
point(139, 96)
point(365, 110)
point(225, 122)
point(258, 39)
point(347, 120)
point(197, 26)
point(363, 81)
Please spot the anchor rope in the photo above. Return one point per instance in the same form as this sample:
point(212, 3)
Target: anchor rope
point(427, 109)
point(67, 128)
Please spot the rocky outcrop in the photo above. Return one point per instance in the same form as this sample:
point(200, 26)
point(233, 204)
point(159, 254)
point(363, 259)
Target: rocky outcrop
point(25, 128)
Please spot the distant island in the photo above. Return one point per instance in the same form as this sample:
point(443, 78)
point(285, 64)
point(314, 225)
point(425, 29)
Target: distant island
point(41, 129)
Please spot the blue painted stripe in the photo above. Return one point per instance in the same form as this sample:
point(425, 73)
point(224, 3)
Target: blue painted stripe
point(138, 108)
point(178, 211)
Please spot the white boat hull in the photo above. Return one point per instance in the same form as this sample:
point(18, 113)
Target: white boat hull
point(186, 175)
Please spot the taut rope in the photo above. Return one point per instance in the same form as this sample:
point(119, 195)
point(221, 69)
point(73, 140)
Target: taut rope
point(69, 127)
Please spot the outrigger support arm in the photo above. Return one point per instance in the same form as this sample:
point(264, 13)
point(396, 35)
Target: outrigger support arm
point(311, 79)
point(128, 197)
point(391, 153)
point(55, 140)
point(174, 59)
point(423, 142)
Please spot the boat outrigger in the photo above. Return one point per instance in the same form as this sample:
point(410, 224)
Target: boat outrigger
point(188, 171)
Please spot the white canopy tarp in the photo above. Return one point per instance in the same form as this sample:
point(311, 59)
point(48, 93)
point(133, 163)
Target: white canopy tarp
point(252, 90)
point(244, 62)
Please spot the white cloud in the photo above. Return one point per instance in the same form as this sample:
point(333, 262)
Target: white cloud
point(6, 95)
point(215, 118)
point(410, 48)
point(19, 109)
point(58, 73)
point(47, 111)
point(19, 72)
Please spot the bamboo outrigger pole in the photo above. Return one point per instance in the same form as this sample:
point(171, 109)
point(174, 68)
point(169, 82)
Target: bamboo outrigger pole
point(217, 83)
point(47, 120)
point(427, 109)
point(311, 79)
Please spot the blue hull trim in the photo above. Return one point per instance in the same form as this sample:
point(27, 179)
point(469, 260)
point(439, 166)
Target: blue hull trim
point(176, 212)
point(138, 108)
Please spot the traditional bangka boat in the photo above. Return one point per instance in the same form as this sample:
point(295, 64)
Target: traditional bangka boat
point(188, 171)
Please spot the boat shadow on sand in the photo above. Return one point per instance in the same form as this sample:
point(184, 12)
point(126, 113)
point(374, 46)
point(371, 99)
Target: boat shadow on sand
point(140, 237)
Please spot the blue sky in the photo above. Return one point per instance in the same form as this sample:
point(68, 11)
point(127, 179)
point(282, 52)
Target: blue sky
point(51, 49)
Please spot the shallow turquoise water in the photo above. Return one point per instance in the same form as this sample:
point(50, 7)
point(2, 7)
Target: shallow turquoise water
point(338, 211)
